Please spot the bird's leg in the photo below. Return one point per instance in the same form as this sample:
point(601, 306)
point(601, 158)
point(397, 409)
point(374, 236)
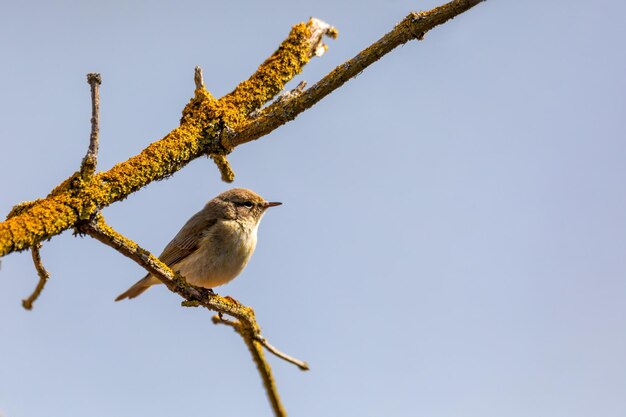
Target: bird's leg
point(206, 292)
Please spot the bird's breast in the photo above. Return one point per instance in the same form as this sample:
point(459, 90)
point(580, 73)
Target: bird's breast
point(221, 255)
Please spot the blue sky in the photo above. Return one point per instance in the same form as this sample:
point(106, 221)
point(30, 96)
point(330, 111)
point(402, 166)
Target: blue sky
point(452, 237)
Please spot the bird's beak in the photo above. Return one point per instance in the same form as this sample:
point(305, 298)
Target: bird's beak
point(271, 204)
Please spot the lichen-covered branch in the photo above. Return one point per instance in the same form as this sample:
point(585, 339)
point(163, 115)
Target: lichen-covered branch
point(223, 165)
point(199, 134)
point(43, 274)
point(304, 42)
point(258, 356)
point(212, 127)
point(246, 324)
point(205, 125)
point(414, 26)
point(98, 229)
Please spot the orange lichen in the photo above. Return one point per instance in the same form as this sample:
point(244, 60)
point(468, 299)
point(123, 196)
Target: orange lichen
point(46, 218)
point(79, 197)
point(224, 166)
point(274, 73)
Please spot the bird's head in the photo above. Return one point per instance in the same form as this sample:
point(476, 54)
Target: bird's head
point(244, 204)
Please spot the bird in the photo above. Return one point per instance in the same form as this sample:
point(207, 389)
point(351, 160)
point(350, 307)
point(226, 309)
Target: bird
point(215, 244)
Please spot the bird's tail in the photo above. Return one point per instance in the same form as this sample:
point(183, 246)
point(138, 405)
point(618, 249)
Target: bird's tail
point(138, 288)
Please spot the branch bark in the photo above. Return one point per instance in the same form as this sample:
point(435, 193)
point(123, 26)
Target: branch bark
point(200, 133)
point(246, 324)
point(414, 26)
point(203, 123)
point(258, 356)
point(88, 166)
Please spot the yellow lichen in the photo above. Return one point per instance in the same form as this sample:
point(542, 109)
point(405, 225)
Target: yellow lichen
point(274, 73)
point(80, 197)
point(224, 166)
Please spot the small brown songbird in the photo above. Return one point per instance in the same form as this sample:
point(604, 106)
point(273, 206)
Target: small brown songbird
point(215, 244)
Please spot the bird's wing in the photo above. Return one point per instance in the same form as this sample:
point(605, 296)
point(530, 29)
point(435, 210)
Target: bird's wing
point(187, 240)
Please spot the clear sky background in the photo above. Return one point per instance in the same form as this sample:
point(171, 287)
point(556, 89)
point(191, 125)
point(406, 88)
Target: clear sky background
point(453, 235)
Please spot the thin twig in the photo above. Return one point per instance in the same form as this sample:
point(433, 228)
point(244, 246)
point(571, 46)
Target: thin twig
point(197, 78)
point(414, 26)
point(27, 303)
point(271, 348)
point(300, 364)
point(227, 173)
point(194, 297)
point(88, 167)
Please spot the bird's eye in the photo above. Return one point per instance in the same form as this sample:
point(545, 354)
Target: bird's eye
point(248, 204)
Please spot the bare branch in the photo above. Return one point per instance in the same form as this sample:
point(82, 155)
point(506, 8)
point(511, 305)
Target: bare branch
point(88, 166)
point(290, 95)
point(27, 303)
point(217, 319)
point(198, 79)
point(300, 364)
point(319, 29)
point(414, 26)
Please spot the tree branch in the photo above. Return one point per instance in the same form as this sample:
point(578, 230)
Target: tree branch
point(198, 79)
point(98, 229)
point(208, 127)
point(414, 26)
point(256, 350)
point(27, 303)
point(88, 166)
point(304, 366)
point(218, 319)
point(200, 133)
point(204, 124)
point(246, 324)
